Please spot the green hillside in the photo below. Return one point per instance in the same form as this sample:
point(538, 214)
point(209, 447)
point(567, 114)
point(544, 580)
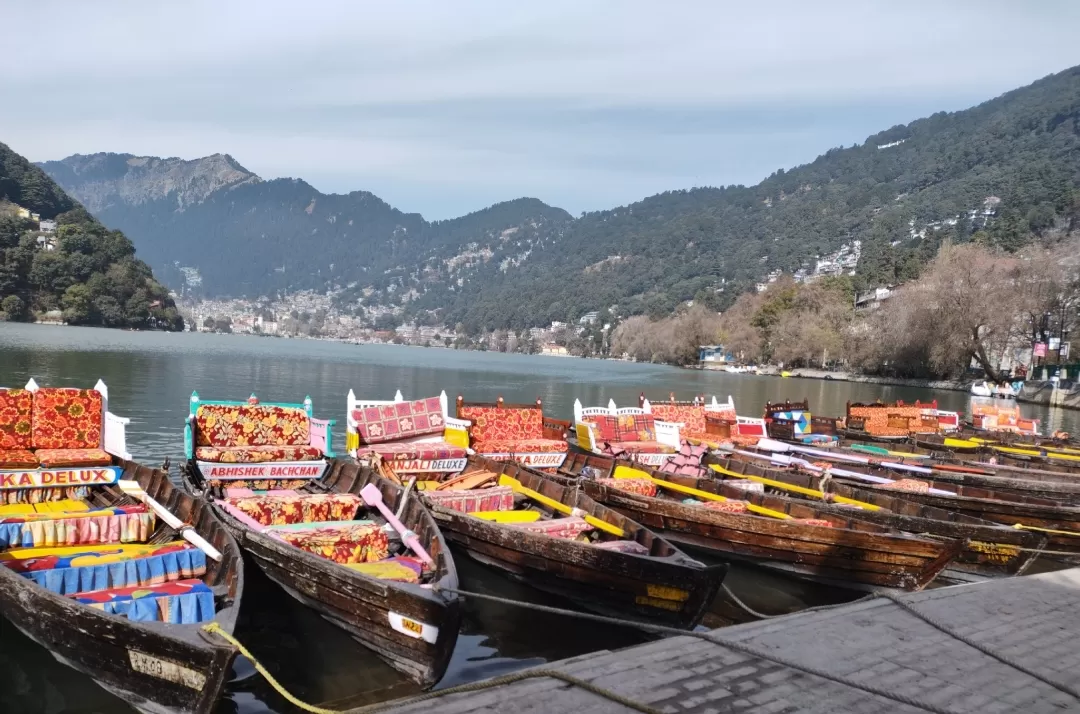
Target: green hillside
point(61, 258)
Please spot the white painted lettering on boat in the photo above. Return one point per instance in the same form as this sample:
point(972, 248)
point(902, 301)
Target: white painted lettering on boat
point(413, 628)
point(423, 465)
point(262, 471)
point(43, 478)
point(166, 669)
point(543, 459)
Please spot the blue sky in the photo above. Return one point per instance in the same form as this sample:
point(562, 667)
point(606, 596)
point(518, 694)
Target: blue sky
point(444, 108)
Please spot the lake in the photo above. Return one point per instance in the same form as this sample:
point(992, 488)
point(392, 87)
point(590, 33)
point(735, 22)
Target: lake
point(150, 377)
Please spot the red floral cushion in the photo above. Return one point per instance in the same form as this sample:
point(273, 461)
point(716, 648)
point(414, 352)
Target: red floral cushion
point(491, 423)
point(401, 420)
point(629, 427)
point(306, 508)
point(251, 425)
point(17, 459)
point(67, 418)
point(567, 528)
point(405, 451)
point(343, 544)
point(257, 454)
point(692, 418)
point(639, 486)
point(16, 418)
point(519, 446)
point(52, 458)
point(727, 506)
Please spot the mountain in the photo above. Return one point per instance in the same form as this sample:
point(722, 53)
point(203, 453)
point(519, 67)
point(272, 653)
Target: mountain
point(1003, 172)
point(56, 256)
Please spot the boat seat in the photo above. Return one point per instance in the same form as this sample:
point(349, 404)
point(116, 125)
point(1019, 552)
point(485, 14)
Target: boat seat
point(18, 459)
point(402, 568)
point(409, 451)
point(300, 508)
point(109, 568)
point(497, 498)
point(344, 544)
point(637, 447)
point(567, 528)
point(519, 446)
point(257, 454)
point(184, 602)
point(55, 458)
point(639, 486)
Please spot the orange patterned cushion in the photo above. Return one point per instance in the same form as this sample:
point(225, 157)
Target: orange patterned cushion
point(251, 425)
point(639, 447)
point(256, 454)
point(67, 418)
point(18, 459)
point(52, 458)
point(506, 424)
point(519, 446)
point(16, 418)
point(692, 418)
point(628, 427)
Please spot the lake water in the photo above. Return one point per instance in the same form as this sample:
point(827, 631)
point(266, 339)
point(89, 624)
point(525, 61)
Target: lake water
point(150, 377)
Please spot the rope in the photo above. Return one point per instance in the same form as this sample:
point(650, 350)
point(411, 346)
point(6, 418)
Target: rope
point(746, 608)
point(1074, 693)
point(214, 628)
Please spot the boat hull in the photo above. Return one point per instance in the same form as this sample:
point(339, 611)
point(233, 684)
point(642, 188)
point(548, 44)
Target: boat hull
point(665, 587)
point(365, 608)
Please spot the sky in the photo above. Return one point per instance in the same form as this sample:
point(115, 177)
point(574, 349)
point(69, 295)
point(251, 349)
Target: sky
point(443, 108)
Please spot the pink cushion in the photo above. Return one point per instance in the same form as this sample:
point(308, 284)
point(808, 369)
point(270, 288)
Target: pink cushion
point(401, 420)
point(407, 451)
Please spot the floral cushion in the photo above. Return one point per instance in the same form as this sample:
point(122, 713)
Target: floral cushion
point(52, 458)
point(262, 484)
point(692, 418)
point(569, 528)
point(909, 485)
point(251, 425)
point(727, 506)
point(406, 451)
point(490, 423)
point(497, 498)
point(17, 459)
point(401, 420)
point(67, 418)
point(639, 486)
point(306, 508)
point(16, 418)
point(257, 454)
point(519, 446)
point(628, 427)
point(342, 544)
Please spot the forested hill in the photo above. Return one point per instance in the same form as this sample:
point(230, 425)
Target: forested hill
point(1000, 173)
point(54, 256)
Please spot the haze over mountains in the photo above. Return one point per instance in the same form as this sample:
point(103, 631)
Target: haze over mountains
point(211, 227)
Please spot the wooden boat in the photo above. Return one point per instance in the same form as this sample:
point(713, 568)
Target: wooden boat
point(802, 540)
point(98, 577)
point(153, 666)
point(1016, 483)
point(1057, 519)
point(306, 524)
point(597, 558)
point(989, 550)
point(407, 624)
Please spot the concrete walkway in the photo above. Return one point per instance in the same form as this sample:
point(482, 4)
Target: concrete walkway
point(1033, 620)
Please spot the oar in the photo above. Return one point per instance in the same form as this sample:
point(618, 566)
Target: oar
point(373, 497)
point(795, 489)
point(593, 521)
point(133, 489)
point(626, 471)
point(1021, 526)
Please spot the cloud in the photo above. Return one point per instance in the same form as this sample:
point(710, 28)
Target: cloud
point(445, 107)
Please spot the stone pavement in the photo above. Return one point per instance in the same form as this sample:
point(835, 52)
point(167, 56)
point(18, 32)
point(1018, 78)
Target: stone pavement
point(1033, 620)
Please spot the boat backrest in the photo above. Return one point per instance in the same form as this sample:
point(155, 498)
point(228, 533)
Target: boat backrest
point(627, 427)
point(751, 427)
point(52, 417)
point(399, 420)
point(500, 421)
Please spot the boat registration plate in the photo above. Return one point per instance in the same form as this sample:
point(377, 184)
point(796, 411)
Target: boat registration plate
point(167, 670)
point(413, 628)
